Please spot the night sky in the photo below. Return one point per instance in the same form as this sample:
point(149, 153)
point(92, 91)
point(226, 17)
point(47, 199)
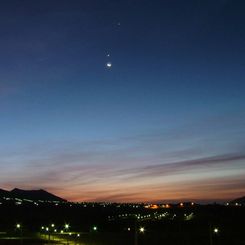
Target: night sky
point(123, 100)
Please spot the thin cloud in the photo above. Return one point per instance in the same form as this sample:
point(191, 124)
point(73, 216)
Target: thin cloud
point(176, 167)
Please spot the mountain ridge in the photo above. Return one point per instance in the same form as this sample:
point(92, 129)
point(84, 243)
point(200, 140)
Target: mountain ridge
point(240, 200)
point(33, 195)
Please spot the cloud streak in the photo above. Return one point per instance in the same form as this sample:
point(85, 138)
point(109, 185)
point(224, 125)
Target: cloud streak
point(151, 165)
point(107, 182)
point(187, 165)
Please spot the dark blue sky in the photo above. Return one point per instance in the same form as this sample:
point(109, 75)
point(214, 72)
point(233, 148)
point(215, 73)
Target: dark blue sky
point(174, 98)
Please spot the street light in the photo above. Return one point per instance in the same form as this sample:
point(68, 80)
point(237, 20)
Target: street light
point(142, 229)
point(216, 230)
point(19, 227)
point(213, 233)
point(95, 228)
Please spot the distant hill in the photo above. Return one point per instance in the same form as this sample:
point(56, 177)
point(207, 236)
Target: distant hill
point(30, 195)
point(4, 193)
point(240, 200)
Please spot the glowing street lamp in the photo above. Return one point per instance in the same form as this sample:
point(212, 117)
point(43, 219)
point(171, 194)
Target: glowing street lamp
point(213, 233)
point(216, 230)
point(95, 228)
point(142, 229)
point(19, 227)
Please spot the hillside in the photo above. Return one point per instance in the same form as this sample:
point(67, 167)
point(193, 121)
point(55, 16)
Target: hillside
point(30, 195)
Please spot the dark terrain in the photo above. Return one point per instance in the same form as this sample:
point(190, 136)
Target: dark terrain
point(119, 224)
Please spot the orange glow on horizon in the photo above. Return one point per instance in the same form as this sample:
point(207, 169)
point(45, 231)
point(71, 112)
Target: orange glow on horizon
point(152, 206)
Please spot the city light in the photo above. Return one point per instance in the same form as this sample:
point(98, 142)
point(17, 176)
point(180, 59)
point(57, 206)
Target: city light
point(18, 226)
point(95, 228)
point(142, 229)
point(216, 230)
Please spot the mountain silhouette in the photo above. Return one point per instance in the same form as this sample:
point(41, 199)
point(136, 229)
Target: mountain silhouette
point(240, 200)
point(4, 193)
point(33, 195)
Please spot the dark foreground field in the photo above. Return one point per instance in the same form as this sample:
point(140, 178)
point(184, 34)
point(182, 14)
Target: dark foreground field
point(97, 224)
point(149, 237)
